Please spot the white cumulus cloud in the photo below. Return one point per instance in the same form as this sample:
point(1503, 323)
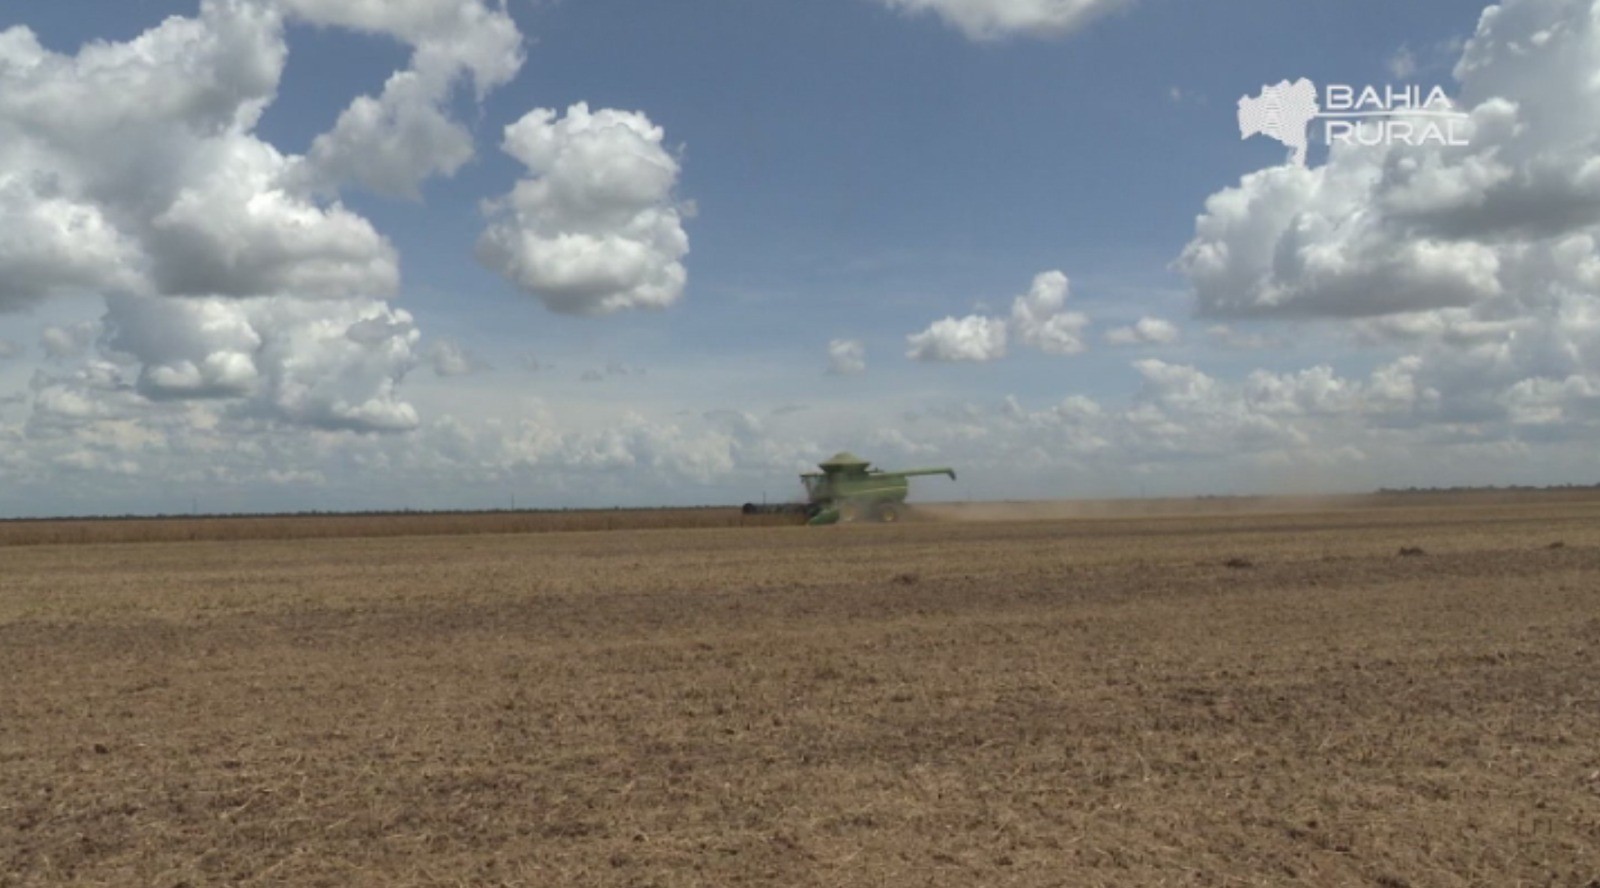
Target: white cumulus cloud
point(232, 272)
point(391, 143)
point(596, 229)
point(1397, 228)
point(133, 167)
point(974, 338)
point(448, 358)
point(846, 357)
point(447, 36)
point(307, 362)
point(1478, 263)
point(996, 19)
point(1039, 319)
point(1145, 331)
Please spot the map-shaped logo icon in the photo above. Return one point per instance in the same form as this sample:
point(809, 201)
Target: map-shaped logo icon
point(1282, 111)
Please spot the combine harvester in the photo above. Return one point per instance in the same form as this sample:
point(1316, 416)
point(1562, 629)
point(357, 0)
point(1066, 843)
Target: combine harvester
point(848, 489)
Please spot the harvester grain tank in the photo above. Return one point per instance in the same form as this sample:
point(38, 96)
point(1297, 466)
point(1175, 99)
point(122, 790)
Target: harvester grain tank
point(849, 489)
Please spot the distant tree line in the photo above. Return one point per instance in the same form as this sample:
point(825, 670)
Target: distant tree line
point(1490, 488)
point(358, 513)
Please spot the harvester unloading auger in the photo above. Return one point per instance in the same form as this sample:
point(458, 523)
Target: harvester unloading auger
point(849, 489)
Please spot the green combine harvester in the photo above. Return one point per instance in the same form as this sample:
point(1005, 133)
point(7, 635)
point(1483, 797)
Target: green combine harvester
point(849, 489)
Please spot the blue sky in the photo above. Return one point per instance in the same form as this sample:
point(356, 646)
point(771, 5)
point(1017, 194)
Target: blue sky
point(845, 172)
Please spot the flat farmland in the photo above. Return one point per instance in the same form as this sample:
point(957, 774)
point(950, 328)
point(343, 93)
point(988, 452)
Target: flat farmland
point(1257, 697)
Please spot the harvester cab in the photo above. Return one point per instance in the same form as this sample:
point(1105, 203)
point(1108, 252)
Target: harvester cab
point(849, 489)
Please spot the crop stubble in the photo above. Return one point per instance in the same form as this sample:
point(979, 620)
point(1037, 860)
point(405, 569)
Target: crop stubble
point(1058, 702)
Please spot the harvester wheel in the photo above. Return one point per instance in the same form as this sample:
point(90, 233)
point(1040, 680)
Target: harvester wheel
point(849, 512)
point(886, 513)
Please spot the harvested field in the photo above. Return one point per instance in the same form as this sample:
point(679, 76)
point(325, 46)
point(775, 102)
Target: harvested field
point(172, 529)
point(1256, 698)
point(179, 528)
